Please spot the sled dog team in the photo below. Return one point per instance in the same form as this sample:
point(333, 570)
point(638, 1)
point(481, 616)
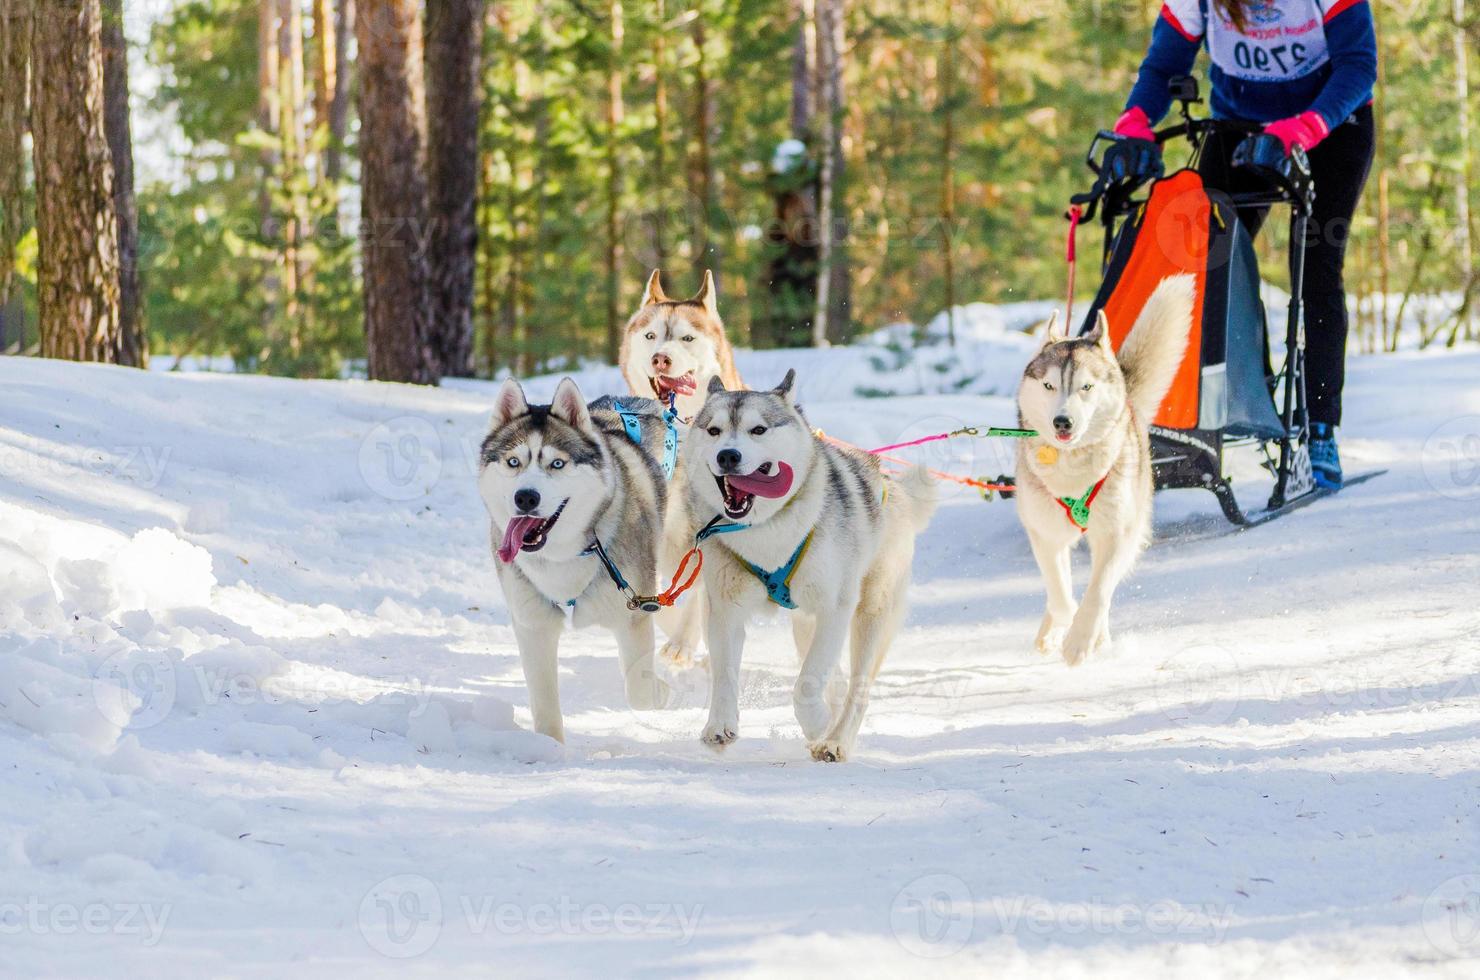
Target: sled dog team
point(594, 505)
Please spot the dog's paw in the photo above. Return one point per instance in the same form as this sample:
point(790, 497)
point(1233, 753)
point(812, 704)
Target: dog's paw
point(829, 750)
point(1084, 639)
point(679, 653)
point(1050, 637)
point(717, 734)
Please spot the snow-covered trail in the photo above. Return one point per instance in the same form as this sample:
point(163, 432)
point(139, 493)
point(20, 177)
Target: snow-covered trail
point(260, 712)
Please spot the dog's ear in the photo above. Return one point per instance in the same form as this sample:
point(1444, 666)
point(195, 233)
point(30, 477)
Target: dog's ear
point(570, 407)
point(1099, 334)
point(1051, 333)
point(510, 404)
point(716, 385)
point(654, 291)
point(706, 296)
point(785, 388)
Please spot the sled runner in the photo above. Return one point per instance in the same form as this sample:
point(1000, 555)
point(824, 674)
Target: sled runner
point(1226, 393)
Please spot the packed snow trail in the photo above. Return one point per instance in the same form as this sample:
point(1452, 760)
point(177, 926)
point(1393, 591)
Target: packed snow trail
point(261, 711)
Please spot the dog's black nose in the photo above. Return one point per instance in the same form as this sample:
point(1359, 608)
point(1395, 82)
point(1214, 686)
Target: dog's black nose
point(1062, 423)
point(728, 460)
point(526, 500)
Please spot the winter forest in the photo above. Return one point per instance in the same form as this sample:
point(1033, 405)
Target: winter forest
point(409, 190)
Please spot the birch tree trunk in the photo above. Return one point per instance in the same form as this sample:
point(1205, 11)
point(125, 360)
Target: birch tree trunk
point(394, 192)
point(133, 349)
point(77, 232)
point(453, 62)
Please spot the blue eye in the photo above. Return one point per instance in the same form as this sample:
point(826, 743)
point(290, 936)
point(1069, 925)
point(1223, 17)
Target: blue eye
point(558, 464)
point(513, 462)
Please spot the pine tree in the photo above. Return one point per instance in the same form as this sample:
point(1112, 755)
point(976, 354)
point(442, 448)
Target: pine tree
point(77, 232)
point(394, 193)
point(133, 343)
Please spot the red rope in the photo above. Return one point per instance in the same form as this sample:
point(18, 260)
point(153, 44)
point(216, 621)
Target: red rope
point(1071, 257)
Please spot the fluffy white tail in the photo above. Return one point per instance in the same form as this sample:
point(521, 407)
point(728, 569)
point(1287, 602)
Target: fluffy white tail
point(1153, 350)
point(917, 486)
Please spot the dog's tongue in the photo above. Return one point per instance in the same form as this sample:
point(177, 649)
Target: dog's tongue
point(683, 384)
point(763, 485)
point(514, 533)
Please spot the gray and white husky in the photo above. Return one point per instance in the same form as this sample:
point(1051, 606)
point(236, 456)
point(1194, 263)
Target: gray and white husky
point(575, 502)
point(796, 522)
point(1088, 472)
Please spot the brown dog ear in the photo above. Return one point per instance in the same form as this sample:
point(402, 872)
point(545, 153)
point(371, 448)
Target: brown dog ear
point(654, 292)
point(706, 296)
point(509, 405)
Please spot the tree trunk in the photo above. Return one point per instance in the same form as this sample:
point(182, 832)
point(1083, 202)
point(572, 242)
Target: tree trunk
point(706, 252)
point(1464, 322)
point(326, 68)
point(269, 123)
point(394, 193)
point(660, 137)
point(291, 83)
point(15, 43)
point(77, 233)
point(803, 71)
point(948, 169)
point(344, 27)
point(133, 344)
point(614, 117)
point(829, 16)
point(454, 57)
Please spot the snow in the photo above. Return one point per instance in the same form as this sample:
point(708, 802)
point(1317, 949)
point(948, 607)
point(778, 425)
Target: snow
point(261, 710)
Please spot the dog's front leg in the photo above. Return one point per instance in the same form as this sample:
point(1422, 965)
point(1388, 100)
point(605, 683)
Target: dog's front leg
point(810, 698)
point(646, 691)
point(1112, 555)
point(538, 636)
point(725, 635)
point(1053, 562)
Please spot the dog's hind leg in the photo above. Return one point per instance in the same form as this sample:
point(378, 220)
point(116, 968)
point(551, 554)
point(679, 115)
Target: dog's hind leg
point(646, 691)
point(1112, 555)
point(1053, 562)
point(539, 644)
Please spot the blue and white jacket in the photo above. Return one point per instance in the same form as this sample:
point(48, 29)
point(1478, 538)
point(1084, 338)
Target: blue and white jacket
point(1294, 56)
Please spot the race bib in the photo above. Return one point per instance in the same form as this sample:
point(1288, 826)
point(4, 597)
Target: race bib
point(1284, 39)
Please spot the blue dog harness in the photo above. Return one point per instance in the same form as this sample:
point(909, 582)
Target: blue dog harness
point(777, 582)
point(632, 423)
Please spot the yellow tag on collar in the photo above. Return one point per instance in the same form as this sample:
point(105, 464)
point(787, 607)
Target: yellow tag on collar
point(1047, 455)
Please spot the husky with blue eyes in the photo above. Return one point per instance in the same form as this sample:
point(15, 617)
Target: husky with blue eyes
point(576, 496)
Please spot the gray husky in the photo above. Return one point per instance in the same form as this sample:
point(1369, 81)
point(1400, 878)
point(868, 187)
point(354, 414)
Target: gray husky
point(576, 497)
point(1088, 472)
point(796, 522)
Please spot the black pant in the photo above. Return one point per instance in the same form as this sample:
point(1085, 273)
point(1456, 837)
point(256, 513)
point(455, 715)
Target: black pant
point(1339, 165)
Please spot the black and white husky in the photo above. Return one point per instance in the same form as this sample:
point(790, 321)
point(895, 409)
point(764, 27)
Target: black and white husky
point(576, 498)
point(789, 520)
point(1087, 475)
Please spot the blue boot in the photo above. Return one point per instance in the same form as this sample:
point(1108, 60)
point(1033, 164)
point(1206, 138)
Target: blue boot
point(1325, 460)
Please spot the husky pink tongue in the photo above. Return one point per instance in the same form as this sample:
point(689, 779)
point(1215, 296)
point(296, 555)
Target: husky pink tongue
point(764, 485)
point(684, 384)
point(514, 532)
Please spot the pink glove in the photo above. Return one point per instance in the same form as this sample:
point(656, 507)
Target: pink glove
point(1134, 124)
point(1304, 130)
